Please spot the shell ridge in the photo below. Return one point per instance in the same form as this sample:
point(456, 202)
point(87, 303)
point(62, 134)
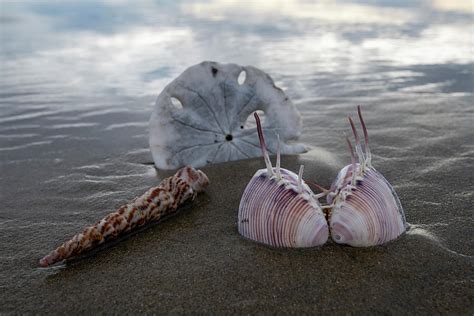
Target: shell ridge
point(270, 207)
point(207, 105)
point(262, 209)
point(379, 210)
point(391, 204)
point(278, 214)
point(300, 212)
point(224, 94)
point(284, 200)
point(365, 206)
point(302, 235)
point(291, 216)
point(188, 125)
point(244, 108)
point(182, 93)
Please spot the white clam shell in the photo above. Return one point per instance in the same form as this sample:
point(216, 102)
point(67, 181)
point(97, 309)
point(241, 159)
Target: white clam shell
point(274, 212)
point(368, 213)
point(365, 210)
point(210, 125)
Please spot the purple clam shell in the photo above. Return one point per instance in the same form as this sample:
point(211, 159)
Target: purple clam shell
point(367, 214)
point(275, 213)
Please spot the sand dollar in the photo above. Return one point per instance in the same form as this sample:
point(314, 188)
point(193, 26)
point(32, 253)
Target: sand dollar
point(200, 117)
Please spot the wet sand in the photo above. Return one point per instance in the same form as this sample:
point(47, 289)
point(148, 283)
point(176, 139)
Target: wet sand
point(78, 80)
point(197, 261)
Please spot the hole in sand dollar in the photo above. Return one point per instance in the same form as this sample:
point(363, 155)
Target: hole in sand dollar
point(250, 122)
point(242, 76)
point(176, 103)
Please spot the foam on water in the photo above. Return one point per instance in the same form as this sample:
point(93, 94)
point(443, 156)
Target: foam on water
point(424, 232)
point(126, 125)
point(27, 145)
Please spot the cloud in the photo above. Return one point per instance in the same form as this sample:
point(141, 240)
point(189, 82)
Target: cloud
point(324, 11)
point(462, 6)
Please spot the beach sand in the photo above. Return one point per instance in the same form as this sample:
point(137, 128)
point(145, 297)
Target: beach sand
point(78, 80)
point(197, 262)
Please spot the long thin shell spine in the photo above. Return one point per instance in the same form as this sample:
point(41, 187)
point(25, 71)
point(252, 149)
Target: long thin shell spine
point(151, 206)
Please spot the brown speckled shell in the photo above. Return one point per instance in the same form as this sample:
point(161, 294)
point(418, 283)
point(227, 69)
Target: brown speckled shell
point(151, 206)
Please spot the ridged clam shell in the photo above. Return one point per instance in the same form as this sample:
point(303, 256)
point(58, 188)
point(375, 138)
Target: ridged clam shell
point(368, 213)
point(274, 212)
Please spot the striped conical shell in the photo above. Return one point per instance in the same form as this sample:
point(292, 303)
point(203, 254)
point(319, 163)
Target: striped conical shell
point(280, 213)
point(153, 205)
point(368, 213)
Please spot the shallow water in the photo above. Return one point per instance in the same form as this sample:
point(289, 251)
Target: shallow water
point(77, 85)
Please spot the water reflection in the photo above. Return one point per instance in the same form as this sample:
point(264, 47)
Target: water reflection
point(134, 49)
